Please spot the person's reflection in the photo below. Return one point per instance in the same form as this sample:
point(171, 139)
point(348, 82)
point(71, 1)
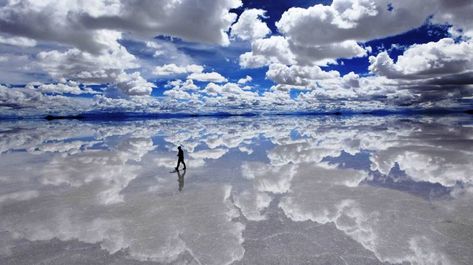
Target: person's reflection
point(180, 178)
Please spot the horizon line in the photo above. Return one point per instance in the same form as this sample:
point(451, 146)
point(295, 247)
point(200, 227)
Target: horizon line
point(143, 116)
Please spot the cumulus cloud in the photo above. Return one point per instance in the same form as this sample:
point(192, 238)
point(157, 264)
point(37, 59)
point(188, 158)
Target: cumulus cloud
point(134, 85)
point(180, 94)
point(184, 85)
point(208, 77)
point(250, 26)
point(321, 34)
point(427, 75)
point(429, 60)
point(173, 69)
point(266, 51)
point(114, 44)
point(73, 23)
point(61, 88)
point(230, 94)
point(436, 70)
point(29, 101)
point(326, 54)
point(343, 20)
point(112, 56)
point(245, 80)
point(106, 67)
point(298, 75)
point(83, 42)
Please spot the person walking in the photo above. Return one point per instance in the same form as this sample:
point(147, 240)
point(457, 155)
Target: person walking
point(180, 156)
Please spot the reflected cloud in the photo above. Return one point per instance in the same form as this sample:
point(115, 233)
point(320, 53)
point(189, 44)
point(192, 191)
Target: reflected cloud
point(397, 227)
point(248, 180)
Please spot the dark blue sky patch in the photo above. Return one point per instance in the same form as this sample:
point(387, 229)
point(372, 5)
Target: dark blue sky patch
point(275, 9)
point(395, 46)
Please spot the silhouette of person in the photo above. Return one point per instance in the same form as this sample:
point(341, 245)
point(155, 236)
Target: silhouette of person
point(180, 156)
point(180, 179)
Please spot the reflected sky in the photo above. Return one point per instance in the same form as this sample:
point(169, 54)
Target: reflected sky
point(261, 190)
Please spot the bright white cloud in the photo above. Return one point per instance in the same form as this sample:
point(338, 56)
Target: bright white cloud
point(433, 59)
point(173, 69)
point(266, 51)
point(250, 26)
point(298, 75)
point(208, 77)
point(325, 54)
point(343, 20)
point(245, 80)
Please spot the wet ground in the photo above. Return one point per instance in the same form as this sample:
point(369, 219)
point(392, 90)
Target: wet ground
point(270, 190)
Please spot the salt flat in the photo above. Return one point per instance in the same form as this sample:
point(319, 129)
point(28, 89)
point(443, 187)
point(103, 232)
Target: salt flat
point(257, 190)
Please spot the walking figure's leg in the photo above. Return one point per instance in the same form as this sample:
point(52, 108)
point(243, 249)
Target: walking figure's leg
point(178, 163)
point(184, 164)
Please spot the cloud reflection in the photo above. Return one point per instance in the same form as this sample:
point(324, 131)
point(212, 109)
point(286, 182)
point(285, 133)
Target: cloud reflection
point(108, 183)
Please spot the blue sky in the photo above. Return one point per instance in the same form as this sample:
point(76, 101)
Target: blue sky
point(204, 56)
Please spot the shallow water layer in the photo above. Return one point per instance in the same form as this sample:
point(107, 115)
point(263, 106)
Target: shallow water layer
point(267, 190)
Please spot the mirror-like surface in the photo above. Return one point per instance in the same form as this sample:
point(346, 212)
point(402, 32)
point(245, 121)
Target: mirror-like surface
point(270, 190)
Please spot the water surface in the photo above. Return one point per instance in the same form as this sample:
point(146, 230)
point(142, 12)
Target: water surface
point(260, 190)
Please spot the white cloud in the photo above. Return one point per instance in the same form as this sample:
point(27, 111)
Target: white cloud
point(173, 69)
point(213, 89)
point(266, 51)
point(438, 73)
point(343, 20)
point(29, 101)
point(298, 75)
point(83, 41)
point(245, 80)
point(106, 67)
point(249, 60)
point(428, 60)
point(60, 88)
point(208, 77)
point(229, 94)
point(83, 66)
point(250, 26)
point(321, 34)
point(279, 49)
point(134, 85)
point(427, 75)
point(308, 54)
point(184, 85)
point(182, 90)
point(74, 23)
point(17, 41)
point(90, 44)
